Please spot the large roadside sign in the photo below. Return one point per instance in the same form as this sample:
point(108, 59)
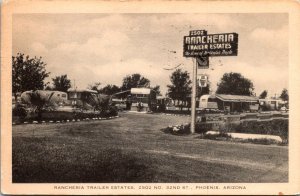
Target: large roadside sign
point(201, 46)
point(199, 43)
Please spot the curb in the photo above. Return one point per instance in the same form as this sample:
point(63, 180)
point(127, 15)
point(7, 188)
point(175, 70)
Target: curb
point(168, 114)
point(245, 136)
point(65, 121)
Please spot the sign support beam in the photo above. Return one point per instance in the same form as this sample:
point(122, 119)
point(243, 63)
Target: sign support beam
point(194, 93)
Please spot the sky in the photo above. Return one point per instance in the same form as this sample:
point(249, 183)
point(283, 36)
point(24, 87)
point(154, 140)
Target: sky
point(105, 48)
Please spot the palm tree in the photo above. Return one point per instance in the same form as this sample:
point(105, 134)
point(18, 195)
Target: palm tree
point(39, 102)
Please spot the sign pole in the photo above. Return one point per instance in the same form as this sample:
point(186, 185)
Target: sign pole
point(194, 92)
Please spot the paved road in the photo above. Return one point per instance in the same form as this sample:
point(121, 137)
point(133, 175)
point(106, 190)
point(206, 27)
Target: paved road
point(164, 157)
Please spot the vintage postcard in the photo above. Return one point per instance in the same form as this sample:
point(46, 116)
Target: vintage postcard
point(150, 97)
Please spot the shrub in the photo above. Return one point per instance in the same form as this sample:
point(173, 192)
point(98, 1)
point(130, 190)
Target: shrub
point(185, 129)
point(113, 111)
point(57, 115)
point(219, 136)
point(202, 127)
point(228, 126)
point(178, 129)
point(21, 114)
point(264, 141)
point(161, 108)
point(183, 112)
point(273, 127)
point(19, 111)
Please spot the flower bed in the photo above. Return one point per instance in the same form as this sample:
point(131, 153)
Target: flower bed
point(185, 129)
point(28, 116)
point(275, 127)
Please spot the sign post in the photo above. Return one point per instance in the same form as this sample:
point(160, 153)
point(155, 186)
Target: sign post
point(194, 93)
point(199, 45)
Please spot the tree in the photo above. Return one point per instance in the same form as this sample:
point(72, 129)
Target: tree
point(134, 81)
point(235, 84)
point(284, 95)
point(180, 89)
point(203, 90)
point(61, 83)
point(110, 89)
point(48, 88)
point(264, 94)
point(95, 86)
point(156, 89)
point(40, 102)
point(27, 73)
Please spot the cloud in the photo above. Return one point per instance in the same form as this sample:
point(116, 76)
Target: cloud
point(174, 23)
point(111, 73)
point(271, 37)
point(264, 78)
point(265, 47)
point(106, 47)
point(39, 48)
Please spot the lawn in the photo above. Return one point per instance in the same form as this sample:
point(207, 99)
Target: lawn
point(133, 148)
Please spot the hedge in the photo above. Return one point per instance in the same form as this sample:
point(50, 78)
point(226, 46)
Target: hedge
point(19, 117)
point(278, 127)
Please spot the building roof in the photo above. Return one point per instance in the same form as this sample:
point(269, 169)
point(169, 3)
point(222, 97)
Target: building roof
point(207, 96)
point(145, 91)
point(81, 90)
point(49, 91)
point(237, 98)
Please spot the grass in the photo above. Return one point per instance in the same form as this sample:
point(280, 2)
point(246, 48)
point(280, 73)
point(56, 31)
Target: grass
point(68, 164)
point(134, 149)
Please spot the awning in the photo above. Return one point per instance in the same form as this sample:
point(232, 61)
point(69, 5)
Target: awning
point(81, 90)
point(236, 98)
point(144, 91)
